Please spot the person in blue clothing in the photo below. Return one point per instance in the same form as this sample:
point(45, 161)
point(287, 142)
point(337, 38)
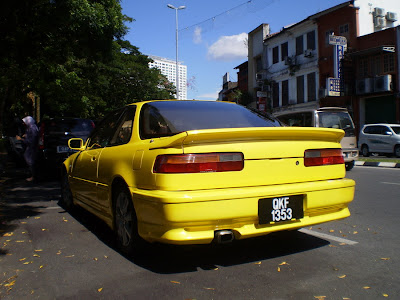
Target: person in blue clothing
point(30, 139)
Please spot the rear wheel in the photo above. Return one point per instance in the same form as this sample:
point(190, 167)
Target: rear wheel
point(66, 194)
point(349, 165)
point(365, 151)
point(397, 151)
point(125, 222)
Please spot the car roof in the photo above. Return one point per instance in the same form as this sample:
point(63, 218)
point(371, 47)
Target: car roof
point(385, 124)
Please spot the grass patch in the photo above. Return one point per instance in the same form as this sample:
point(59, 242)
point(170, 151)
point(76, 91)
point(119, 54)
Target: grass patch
point(377, 159)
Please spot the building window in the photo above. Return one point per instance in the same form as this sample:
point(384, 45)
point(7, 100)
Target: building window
point(376, 68)
point(275, 94)
point(327, 34)
point(311, 40)
point(275, 55)
point(285, 92)
point(344, 29)
point(284, 50)
point(388, 62)
point(311, 94)
point(363, 67)
point(258, 64)
point(299, 45)
point(300, 89)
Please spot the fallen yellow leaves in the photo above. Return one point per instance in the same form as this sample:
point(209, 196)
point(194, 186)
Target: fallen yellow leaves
point(366, 287)
point(10, 284)
point(385, 295)
point(99, 290)
point(258, 263)
point(320, 297)
point(342, 276)
point(38, 250)
point(208, 288)
point(385, 258)
point(9, 234)
point(175, 282)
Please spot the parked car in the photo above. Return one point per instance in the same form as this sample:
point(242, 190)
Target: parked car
point(53, 140)
point(193, 172)
point(329, 117)
point(380, 138)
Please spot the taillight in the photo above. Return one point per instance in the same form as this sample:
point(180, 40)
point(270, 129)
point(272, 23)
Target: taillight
point(321, 157)
point(199, 163)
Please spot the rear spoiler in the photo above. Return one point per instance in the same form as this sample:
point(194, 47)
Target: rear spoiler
point(245, 134)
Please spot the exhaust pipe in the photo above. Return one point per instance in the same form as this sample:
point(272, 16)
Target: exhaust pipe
point(224, 236)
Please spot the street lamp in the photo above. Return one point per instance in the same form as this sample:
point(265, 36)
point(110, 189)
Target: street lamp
point(176, 38)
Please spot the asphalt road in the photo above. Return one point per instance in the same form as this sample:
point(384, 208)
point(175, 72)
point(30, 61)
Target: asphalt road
point(48, 253)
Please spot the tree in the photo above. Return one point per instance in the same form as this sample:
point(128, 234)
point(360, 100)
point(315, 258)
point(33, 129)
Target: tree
point(70, 53)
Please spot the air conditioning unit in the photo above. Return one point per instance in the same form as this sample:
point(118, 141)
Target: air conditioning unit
point(364, 86)
point(380, 22)
point(383, 83)
point(391, 16)
point(308, 53)
point(379, 12)
point(289, 61)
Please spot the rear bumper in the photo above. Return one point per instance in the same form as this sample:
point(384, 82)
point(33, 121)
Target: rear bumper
point(192, 217)
point(350, 154)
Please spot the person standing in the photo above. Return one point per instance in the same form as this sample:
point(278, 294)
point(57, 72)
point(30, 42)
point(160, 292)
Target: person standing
point(30, 139)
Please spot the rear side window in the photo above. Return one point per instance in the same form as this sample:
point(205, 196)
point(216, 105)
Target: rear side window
point(396, 129)
point(165, 118)
point(374, 130)
point(303, 119)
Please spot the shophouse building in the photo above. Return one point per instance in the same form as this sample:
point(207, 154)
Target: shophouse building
point(321, 61)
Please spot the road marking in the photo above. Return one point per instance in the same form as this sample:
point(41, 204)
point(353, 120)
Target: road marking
point(395, 183)
point(328, 237)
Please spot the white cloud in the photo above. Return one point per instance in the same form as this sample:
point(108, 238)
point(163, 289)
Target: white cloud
point(229, 48)
point(208, 96)
point(197, 39)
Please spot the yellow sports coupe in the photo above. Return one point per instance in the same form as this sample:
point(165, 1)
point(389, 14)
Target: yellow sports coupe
point(193, 172)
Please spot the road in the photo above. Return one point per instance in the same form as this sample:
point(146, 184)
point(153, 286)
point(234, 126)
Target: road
point(48, 253)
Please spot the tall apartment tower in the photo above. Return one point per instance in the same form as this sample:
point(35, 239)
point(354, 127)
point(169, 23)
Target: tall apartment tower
point(168, 68)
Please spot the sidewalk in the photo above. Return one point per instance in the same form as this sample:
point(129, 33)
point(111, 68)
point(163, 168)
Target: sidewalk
point(383, 164)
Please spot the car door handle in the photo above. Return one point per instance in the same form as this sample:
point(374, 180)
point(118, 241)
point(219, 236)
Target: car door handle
point(93, 158)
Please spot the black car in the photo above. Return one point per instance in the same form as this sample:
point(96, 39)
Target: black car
point(53, 139)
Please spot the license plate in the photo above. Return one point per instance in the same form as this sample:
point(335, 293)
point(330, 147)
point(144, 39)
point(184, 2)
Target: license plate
point(63, 149)
point(280, 209)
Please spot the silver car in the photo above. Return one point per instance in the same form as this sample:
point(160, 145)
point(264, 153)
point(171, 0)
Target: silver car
point(380, 138)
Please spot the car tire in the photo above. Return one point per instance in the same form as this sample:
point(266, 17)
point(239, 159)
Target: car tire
point(365, 151)
point(125, 223)
point(349, 165)
point(66, 194)
point(397, 151)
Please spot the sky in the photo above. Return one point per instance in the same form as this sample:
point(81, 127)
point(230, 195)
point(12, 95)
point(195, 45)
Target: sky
point(211, 34)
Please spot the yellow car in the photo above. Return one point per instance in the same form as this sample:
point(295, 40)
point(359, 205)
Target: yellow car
point(193, 172)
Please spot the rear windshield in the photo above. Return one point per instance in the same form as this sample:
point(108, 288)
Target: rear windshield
point(338, 120)
point(73, 125)
point(165, 118)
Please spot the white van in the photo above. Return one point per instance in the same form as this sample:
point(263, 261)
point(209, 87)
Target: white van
point(328, 117)
point(380, 138)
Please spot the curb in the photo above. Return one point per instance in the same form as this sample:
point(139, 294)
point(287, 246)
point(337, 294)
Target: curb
point(377, 164)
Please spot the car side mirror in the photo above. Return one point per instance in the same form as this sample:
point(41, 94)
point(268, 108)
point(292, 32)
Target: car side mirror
point(388, 133)
point(76, 144)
